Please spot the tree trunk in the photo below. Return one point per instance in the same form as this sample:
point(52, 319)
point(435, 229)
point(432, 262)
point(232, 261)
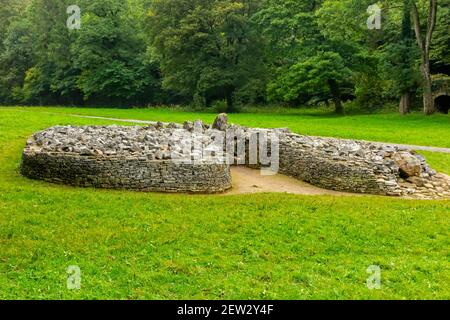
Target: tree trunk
point(405, 103)
point(424, 45)
point(336, 93)
point(428, 101)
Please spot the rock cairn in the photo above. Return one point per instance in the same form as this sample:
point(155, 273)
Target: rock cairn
point(146, 158)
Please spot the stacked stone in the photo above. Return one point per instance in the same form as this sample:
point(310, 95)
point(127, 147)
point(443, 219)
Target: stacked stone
point(151, 142)
point(153, 158)
point(127, 173)
point(353, 166)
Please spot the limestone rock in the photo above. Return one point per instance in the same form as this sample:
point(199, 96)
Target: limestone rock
point(199, 126)
point(221, 122)
point(416, 181)
point(409, 165)
point(188, 125)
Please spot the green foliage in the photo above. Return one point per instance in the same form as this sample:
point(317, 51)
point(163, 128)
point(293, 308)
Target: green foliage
point(440, 49)
point(368, 91)
point(287, 25)
point(15, 59)
point(208, 50)
point(401, 57)
point(401, 65)
point(311, 76)
point(110, 55)
point(33, 87)
point(291, 30)
point(150, 52)
point(344, 20)
point(318, 30)
point(105, 62)
point(345, 23)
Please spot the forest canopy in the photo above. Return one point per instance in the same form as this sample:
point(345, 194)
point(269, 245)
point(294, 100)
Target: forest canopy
point(223, 53)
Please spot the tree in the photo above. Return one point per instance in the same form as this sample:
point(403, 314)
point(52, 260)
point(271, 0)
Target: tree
point(405, 100)
point(16, 58)
point(106, 61)
point(323, 73)
point(424, 42)
point(343, 25)
point(306, 46)
point(208, 50)
point(15, 47)
point(402, 56)
point(110, 53)
point(440, 47)
point(52, 77)
point(222, 52)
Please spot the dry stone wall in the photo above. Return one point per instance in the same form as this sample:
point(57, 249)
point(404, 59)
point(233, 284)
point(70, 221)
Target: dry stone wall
point(135, 158)
point(354, 166)
point(361, 167)
point(127, 173)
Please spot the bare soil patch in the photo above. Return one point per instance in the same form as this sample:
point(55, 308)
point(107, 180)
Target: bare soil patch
point(248, 181)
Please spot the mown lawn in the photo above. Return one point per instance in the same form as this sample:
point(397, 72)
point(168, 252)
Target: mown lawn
point(411, 129)
point(133, 245)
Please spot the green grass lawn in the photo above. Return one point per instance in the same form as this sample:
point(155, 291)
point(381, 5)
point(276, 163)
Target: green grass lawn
point(411, 129)
point(132, 245)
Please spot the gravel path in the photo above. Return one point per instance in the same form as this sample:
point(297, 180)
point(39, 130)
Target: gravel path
point(416, 148)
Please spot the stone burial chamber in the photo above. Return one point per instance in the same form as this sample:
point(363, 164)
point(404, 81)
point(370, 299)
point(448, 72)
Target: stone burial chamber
point(191, 158)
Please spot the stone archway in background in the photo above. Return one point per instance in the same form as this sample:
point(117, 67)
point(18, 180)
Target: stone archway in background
point(441, 93)
point(442, 103)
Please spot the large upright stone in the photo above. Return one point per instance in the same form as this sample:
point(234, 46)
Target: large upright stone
point(198, 126)
point(188, 125)
point(221, 122)
point(409, 165)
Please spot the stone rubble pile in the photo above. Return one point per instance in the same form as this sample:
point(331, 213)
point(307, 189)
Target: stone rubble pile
point(160, 142)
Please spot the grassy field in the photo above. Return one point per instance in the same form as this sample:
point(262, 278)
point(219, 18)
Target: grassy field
point(411, 129)
point(133, 245)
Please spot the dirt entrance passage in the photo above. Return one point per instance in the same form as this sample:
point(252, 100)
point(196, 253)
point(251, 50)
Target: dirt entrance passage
point(246, 180)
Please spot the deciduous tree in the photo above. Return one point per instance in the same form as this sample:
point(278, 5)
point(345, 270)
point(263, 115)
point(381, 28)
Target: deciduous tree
point(424, 38)
point(208, 49)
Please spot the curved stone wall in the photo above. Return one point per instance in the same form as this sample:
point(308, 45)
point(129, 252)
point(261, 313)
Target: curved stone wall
point(126, 173)
point(354, 166)
point(118, 157)
point(361, 167)
point(323, 169)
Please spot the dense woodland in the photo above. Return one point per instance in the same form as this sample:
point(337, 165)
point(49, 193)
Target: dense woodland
point(224, 54)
